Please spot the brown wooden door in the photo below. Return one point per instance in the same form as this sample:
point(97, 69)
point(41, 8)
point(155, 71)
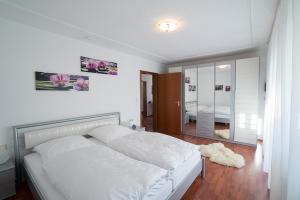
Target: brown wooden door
point(169, 103)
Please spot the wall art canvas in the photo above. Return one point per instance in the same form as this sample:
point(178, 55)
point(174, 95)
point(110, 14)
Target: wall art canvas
point(192, 88)
point(62, 82)
point(218, 87)
point(98, 66)
point(187, 79)
point(227, 88)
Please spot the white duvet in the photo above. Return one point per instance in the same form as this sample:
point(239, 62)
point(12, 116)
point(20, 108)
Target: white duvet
point(98, 172)
point(164, 151)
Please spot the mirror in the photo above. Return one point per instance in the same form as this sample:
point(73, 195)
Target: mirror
point(190, 101)
point(205, 106)
point(223, 100)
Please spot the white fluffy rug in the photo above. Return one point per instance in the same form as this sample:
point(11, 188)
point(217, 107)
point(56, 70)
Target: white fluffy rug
point(222, 133)
point(218, 153)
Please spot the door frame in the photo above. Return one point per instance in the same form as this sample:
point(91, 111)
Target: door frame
point(144, 99)
point(154, 97)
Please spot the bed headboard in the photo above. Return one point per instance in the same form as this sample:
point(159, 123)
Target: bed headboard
point(29, 135)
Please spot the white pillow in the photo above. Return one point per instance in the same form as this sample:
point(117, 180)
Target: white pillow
point(108, 133)
point(55, 147)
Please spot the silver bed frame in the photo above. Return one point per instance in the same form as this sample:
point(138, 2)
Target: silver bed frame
point(21, 151)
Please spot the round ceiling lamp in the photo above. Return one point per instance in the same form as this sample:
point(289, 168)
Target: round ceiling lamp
point(223, 66)
point(167, 26)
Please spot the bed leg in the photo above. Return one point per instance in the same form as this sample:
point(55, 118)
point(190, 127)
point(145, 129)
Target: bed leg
point(203, 168)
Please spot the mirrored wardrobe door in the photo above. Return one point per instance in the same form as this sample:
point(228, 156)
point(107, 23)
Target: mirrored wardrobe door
point(190, 101)
point(205, 104)
point(224, 100)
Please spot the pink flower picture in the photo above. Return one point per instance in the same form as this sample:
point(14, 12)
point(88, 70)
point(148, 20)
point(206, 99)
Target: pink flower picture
point(98, 66)
point(61, 82)
point(91, 64)
point(81, 84)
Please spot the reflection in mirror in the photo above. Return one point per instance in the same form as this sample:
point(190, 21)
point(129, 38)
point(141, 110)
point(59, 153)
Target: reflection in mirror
point(190, 97)
point(223, 91)
point(206, 85)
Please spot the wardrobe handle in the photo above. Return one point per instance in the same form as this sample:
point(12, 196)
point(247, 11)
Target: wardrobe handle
point(178, 103)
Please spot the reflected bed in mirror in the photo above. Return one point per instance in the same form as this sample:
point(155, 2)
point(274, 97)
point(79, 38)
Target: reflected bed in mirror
point(223, 100)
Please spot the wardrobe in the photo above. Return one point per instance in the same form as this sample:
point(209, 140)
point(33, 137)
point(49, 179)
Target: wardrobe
point(220, 100)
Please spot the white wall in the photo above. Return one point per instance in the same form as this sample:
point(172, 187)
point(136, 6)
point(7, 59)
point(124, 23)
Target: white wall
point(174, 69)
point(148, 79)
point(190, 95)
point(223, 77)
point(25, 49)
point(206, 92)
point(206, 85)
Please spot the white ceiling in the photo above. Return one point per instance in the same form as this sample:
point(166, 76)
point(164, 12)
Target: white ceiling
point(207, 27)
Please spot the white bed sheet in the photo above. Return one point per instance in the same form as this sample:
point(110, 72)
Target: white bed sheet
point(222, 116)
point(185, 168)
point(193, 109)
point(95, 141)
point(33, 166)
point(178, 174)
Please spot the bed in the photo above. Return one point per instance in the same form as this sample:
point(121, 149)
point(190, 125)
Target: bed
point(176, 175)
point(191, 111)
point(222, 113)
point(33, 167)
point(28, 163)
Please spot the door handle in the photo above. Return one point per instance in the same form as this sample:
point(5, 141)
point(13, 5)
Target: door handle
point(178, 103)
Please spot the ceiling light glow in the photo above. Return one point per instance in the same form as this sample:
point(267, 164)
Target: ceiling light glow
point(167, 26)
point(223, 66)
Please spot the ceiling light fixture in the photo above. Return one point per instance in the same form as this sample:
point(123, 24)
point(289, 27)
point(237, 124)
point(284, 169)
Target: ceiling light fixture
point(223, 66)
point(167, 26)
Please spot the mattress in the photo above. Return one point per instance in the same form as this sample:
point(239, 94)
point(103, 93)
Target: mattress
point(223, 116)
point(177, 175)
point(192, 113)
point(33, 166)
point(202, 115)
point(221, 110)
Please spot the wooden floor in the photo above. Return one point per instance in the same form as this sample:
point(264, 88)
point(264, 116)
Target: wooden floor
point(148, 123)
point(190, 128)
point(226, 183)
point(220, 182)
point(23, 193)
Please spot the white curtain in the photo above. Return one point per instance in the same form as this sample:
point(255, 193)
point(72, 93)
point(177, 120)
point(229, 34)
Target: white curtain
point(278, 101)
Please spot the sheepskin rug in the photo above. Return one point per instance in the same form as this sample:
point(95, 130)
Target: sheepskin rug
point(222, 133)
point(218, 153)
